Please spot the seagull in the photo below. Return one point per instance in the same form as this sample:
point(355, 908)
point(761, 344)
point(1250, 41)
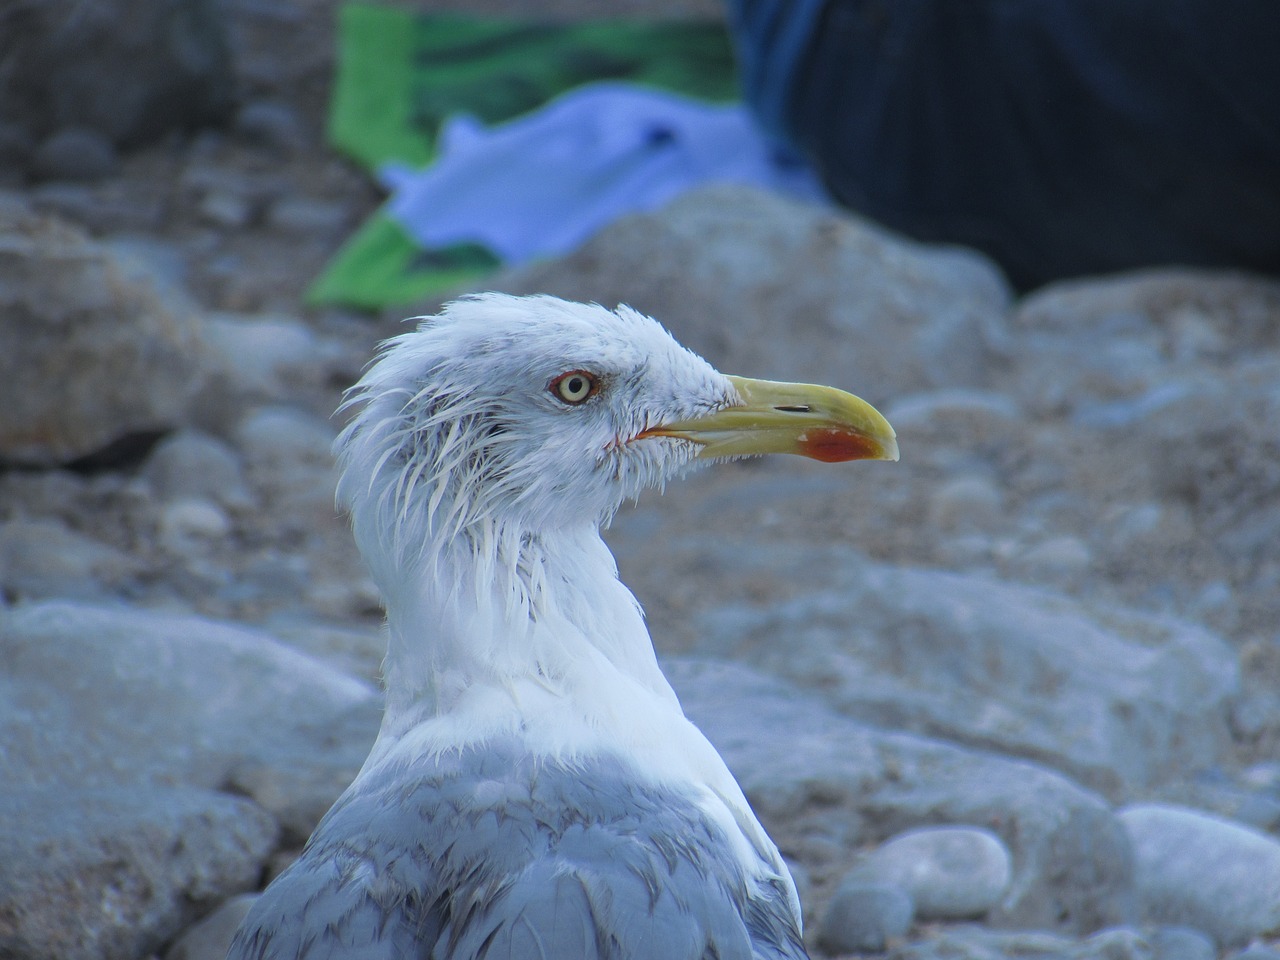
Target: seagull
point(535, 791)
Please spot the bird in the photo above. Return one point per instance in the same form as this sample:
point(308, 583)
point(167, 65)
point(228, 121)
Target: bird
point(535, 791)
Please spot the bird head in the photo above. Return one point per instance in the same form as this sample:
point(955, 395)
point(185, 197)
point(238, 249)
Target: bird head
point(533, 413)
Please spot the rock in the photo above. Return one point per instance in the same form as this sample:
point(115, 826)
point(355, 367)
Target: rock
point(188, 526)
point(190, 464)
point(825, 785)
point(45, 558)
point(210, 939)
point(864, 917)
point(290, 460)
point(75, 153)
point(965, 503)
point(1256, 953)
point(731, 270)
point(113, 873)
point(271, 123)
point(1058, 558)
point(122, 348)
point(951, 873)
point(266, 356)
point(305, 217)
point(1117, 698)
point(1181, 943)
point(68, 64)
point(1205, 872)
point(99, 696)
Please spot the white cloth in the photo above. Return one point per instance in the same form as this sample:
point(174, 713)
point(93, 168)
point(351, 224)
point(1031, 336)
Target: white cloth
point(541, 184)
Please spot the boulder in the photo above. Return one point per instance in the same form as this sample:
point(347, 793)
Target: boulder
point(122, 348)
point(112, 873)
point(732, 271)
point(825, 785)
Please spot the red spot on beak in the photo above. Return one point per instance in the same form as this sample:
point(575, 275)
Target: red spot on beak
point(831, 445)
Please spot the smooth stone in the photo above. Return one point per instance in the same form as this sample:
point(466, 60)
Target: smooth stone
point(305, 217)
point(1181, 943)
point(863, 917)
point(113, 873)
point(45, 558)
point(825, 786)
point(75, 153)
point(210, 939)
point(965, 503)
point(952, 873)
point(190, 525)
point(1058, 557)
point(190, 464)
point(1198, 870)
point(271, 123)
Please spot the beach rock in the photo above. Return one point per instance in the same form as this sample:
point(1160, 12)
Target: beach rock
point(122, 347)
point(68, 63)
point(825, 786)
point(112, 873)
point(190, 464)
point(96, 696)
point(1202, 871)
point(45, 558)
point(210, 939)
point(863, 917)
point(1118, 698)
point(731, 270)
point(75, 153)
point(951, 873)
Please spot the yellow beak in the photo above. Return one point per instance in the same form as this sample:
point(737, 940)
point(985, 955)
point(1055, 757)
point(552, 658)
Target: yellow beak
point(821, 423)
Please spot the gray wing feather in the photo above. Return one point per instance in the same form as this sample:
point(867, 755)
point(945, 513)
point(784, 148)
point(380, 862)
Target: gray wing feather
point(494, 856)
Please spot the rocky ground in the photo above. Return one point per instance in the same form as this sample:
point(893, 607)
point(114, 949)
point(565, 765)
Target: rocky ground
point(1015, 696)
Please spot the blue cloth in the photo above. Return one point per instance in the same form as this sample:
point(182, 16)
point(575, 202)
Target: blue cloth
point(1062, 137)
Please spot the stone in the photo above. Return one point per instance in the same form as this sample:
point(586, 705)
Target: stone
point(951, 873)
point(1118, 698)
point(122, 347)
point(70, 64)
point(75, 153)
point(189, 525)
point(731, 270)
point(266, 356)
point(1181, 943)
point(1198, 870)
point(191, 464)
point(95, 695)
point(864, 917)
point(307, 217)
point(45, 558)
point(210, 939)
point(113, 873)
point(965, 503)
point(271, 123)
point(825, 786)
point(288, 452)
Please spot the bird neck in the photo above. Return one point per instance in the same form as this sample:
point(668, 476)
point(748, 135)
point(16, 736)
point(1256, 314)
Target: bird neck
point(503, 626)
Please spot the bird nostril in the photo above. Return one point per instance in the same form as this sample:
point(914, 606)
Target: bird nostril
point(795, 408)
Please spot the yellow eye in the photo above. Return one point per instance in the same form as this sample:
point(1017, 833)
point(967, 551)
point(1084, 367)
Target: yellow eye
point(575, 386)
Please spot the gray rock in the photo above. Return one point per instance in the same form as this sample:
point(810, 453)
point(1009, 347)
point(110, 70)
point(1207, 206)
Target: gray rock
point(271, 123)
point(289, 457)
point(67, 63)
point(189, 526)
point(1117, 698)
point(951, 873)
point(93, 695)
point(863, 917)
point(123, 348)
point(190, 464)
point(45, 558)
point(306, 217)
point(970, 942)
point(1256, 952)
point(825, 785)
point(731, 270)
point(210, 939)
point(75, 153)
point(1181, 943)
point(113, 873)
point(1205, 872)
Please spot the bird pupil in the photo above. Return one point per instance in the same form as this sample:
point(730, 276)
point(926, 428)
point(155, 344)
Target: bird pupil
point(575, 385)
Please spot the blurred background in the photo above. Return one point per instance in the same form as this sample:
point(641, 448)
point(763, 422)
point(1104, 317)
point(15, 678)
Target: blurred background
point(1016, 694)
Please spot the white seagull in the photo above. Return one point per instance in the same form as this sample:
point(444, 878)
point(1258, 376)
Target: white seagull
point(536, 791)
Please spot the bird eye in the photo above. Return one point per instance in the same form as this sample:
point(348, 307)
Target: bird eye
point(574, 386)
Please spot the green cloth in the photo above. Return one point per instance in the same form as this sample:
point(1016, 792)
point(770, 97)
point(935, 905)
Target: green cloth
point(401, 74)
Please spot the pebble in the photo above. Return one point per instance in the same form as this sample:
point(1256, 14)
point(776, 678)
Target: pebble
point(75, 153)
point(1181, 943)
point(271, 123)
point(965, 503)
point(952, 873)
point(190, 525)
point(210, 939)
point(191, 464)
point(864, 917)
point(1205, 872)
point(224, 208)
point(1064, 557)
point(304, 216)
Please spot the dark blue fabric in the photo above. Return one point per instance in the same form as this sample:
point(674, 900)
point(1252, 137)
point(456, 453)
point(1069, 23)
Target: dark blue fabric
point(1060, 136)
